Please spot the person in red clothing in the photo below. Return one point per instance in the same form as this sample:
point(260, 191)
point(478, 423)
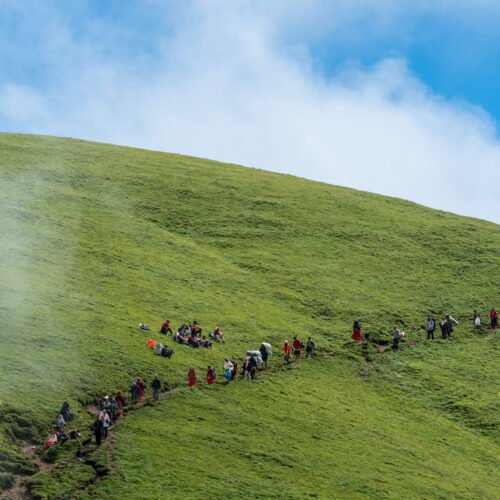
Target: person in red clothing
point(211, 375)
point(120, 403)
point(140, 386)
point(166, 328)
point(356, 331)
point(297, 347)
point(493, 319)
point(191, 377)
point(287, 351)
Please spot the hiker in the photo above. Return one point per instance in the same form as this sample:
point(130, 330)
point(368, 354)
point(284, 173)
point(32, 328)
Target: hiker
point(60, 423)
point(452, 322)
point(310, 347)
point(356, 331)
point(106, 405)
point(477, 321)
point(264, 353)
point(140, 386)
point(114, 409)
point(445, 329)
point(228, 369)
point(217, 335)
point(134, 391)
point(287, 350)
point(98, 430)
point(235, 371)
point(66, 412)
point(252, 362)
point(297, 348)
point(396, 337)
point(166, 328)
point(246, 368)
point(191, 377)
point(493, 319)
point(120, 403)
point(211, 375)
point(156, 386)
point(430, 327)
point(104, 418)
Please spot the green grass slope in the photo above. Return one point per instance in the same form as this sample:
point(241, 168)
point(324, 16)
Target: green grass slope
point(98, 238)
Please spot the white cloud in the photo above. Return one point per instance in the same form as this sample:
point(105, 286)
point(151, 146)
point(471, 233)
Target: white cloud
point(226, 87)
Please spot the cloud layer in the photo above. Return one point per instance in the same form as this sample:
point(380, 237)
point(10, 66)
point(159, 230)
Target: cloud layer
point(227, 82)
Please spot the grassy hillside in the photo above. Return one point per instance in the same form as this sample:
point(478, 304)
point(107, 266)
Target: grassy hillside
point(97, 238)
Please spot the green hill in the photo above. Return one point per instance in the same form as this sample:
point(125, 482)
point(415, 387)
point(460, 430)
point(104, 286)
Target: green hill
point(98, 238)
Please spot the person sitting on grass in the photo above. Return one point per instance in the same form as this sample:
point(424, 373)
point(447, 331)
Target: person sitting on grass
point(203, 342)
point(193, 341)
point(166, 328)
point(217, 335)
point(196, 329)
point(166, 352)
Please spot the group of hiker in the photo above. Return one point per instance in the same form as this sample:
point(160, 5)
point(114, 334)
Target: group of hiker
point(191, 334)
point(58, 433)
point(446, 326)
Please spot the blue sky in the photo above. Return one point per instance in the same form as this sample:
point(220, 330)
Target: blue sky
point(400, 98)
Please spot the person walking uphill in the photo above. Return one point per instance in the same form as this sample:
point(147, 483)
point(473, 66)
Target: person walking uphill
point(396, 337)
point(430, 327)
point(228, 369)
point(156, 385)
point(211, 375)
point(356, 331)
point(310, 347)
point(191, 377)
point(287, 351)
point(493, 319)
point(97, 428)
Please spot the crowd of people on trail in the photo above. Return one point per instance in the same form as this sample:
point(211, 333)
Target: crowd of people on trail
point(58, 433)
point(446, 325)
point(110, 408)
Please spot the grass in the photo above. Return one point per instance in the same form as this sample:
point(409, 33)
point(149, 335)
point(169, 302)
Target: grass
point(98, 238)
